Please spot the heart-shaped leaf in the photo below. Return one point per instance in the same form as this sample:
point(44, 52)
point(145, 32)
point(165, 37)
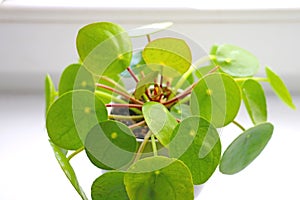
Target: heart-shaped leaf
point(71, 116)
point(196, 142)
point(216, 98)
point(159, 178)
point(67, 168)
point(149, 29)
point(104, 48)
point(245, 148)
point(279, 88)
point(75, 77)
point(236, 61)
point(159, 120)
point(172, 56)
point(255, 101)
point(109, 186)
point(111, 145)
point(50, 92)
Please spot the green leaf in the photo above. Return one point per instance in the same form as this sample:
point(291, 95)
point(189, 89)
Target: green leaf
point(75, 77)
point(202, 71)
point(111, 144)
point(172, 56)
point(196, 142)
point(143, 84)
point(104, 48)
point(67, 168)
point(245, 148)
point(149, 29)
point(255, 101)
point(137, 65)
point(181, 111)
point(159, 178)
point(50, 92)
point(236, 61)
point(109, 186)
point(216, 98)
point(71, 116)
point(279, 88)
point(159, 120)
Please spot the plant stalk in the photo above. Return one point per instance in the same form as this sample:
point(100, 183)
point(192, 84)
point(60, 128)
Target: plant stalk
point(75, 153)
point(142, 146)
point(153, 142)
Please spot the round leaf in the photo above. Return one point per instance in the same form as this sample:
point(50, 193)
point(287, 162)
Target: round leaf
point(196, 142)
point(279, 88)
point(181, 111)
point(104, 48)
point(111, 144)
point(109, 186)
point(75, 77)
point(71, 116)
point(245, 148)
point(216, 98)
point(159, 120)
point(159, 178)
point(170, 55)
point(149, 29)
point(255, 101)
point(236, 61)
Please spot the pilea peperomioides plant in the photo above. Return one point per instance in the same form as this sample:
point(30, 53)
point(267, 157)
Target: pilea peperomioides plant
point(160, 138)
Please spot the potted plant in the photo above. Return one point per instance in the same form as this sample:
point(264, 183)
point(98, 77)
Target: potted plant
point(160, 138)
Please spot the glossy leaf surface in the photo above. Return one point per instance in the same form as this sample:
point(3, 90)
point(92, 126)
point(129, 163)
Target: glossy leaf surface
point(279, 88)
point(181, 111)
point(196, 142)
point(111, 144)
point(109, 186)
point(216, 98)
point(50, 92)
point(159, 120)
point(245, 148)
point(255, 101)
point(159, 178)
point(71, 116)
point(149, 29)
point(104, 48)
point(236, 61)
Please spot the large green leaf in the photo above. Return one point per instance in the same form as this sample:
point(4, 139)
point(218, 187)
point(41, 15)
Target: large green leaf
point(109, 186)
point(255, 101)
point(181, 111)
point(279, 88)
point(172, 56)
point(159, 178)
point(149, 29)
point(245, 148)
point(217, 98)
point(67, 168)
point(71, 116)
point(111, 145)
point(50, 92)
point(159, 120)
point(104, 48)
point(236, 61)
point(196, 142)
point(75, 77)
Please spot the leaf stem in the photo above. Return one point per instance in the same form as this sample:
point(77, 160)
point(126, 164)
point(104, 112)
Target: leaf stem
point(238, 125)
point(142, 146)
point(117, 105)
point(133, 117)
point(259, 79)
point(153, 142)
point(148, 38)
point(118, 86)
point(75, 153)
point(132, 74)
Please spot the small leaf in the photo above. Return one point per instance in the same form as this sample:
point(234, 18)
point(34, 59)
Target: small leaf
point(111, 145)
point(104, 48)
point(159, 178)
point(159, 120)
point(67, 168)
point(236, 61)
point(71, 116)
point(75, 77)
point(181, 111)
point(109, 186)
point(279, 88)
point(172, 56)
point(143, 84)
point(50, 92)
point(245, 148)
point(255, 101)
point(216, 98)
point(149, 29)
point(196, 142)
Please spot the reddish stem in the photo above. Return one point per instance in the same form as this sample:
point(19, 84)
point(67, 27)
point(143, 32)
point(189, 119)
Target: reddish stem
point(132, 74)
point(116, 105)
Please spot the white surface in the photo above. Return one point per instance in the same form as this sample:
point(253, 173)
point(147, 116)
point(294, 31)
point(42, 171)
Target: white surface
point(29, 171)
